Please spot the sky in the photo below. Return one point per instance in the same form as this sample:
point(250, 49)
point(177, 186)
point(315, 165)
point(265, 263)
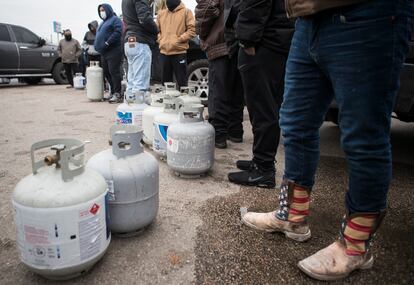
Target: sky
point(38, 15)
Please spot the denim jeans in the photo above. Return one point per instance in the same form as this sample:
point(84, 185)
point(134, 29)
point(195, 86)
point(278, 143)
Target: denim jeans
point(354, 55)
point(139, 66)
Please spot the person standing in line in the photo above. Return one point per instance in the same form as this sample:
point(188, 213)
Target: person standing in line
point(140, 35)
point(89, 41)
point(225, 100)
point(265, 33)
point(352, 51)
point(108, 43)
point(69, 51)
point(176, 29)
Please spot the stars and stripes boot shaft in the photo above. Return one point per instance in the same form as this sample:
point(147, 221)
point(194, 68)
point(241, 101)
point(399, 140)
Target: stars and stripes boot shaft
point(290, 218)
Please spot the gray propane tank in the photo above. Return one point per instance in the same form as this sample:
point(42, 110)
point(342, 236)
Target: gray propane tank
point(61, 213)
point(188, 96)
point(190, 143)
point(171, 89)
point(94, 82)
point(132, 176)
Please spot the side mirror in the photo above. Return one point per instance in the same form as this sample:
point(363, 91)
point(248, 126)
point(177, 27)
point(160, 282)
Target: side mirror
point(42, 42)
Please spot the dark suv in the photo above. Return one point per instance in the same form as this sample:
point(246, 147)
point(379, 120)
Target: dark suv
point(26, 56)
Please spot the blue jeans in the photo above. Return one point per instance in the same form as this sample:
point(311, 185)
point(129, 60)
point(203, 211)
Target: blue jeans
point(139, 66)
point(353, 55)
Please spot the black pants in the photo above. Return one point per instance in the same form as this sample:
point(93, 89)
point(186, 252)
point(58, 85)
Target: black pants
point(111, 64)
point(225, 97)
point(263, 81)
point(174, 65)
point(70, 69)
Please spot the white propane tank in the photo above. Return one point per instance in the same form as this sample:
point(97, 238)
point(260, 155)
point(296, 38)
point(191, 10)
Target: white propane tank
point(60, 213)
point(94, 82)
point(156, 107)
point(79, 81)
point(132, 177)
point(188, 96)
point(190, 143)
point(161, 123)
point(130, 112)
point(124, 85)
point(171, 89)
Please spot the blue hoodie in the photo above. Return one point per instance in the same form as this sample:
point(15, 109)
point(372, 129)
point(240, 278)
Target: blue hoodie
point(109, 33)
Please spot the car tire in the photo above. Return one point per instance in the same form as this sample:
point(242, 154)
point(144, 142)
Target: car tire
point(59, 74)
point(197, 72)
point(32, 80)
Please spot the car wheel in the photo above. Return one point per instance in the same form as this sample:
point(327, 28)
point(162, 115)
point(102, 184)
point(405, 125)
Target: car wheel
point(59, 74)
point(198, 76)
point(32, 80)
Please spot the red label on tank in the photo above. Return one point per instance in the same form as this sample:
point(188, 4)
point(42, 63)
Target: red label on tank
point(94, 209)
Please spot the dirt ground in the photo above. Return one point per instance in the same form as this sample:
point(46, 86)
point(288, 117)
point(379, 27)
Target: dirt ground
point(197, 237)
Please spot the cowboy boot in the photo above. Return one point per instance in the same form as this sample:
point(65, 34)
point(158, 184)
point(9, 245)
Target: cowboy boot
point(350, 252)
point(290, 218)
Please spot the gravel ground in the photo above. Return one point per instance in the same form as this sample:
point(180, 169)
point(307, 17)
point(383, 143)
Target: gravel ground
point(228, 252)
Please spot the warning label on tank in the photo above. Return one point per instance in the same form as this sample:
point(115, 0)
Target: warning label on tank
point(55, 238)
point(160, 138)
point(172, 145)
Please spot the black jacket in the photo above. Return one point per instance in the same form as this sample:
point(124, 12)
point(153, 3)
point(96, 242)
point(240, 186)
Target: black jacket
point(264, 22)
point(139, 22)
point(231, 10)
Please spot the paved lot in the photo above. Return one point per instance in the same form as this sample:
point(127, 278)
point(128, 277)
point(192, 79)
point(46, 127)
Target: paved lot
point(197, 237)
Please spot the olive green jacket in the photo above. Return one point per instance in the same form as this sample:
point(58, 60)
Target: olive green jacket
point(298, 8)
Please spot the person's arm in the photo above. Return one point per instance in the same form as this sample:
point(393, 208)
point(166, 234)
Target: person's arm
point(115, 37)
point(206, 13)
point(85, 44)
point(190, 32)
point(159, 27)
point(78, 49)
point(145, 16)
point(59, 50)
point(253, 15)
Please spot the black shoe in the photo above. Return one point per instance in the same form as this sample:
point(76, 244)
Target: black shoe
point(222, 144)
point(69, 87)
point(115, 98)
point(254, 177)
point(244, 164)
point(235, 139)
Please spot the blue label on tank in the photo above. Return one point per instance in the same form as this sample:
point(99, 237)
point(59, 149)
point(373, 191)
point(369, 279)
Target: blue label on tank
point(124, 118)
point(163, 131)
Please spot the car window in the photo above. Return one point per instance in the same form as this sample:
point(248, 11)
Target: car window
point(4, 34)
point(25, 36)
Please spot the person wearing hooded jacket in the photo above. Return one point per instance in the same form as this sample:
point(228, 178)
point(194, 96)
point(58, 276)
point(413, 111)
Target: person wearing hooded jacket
point(140, 35)
point(176, 29)
point(88, 42)
point(69, 50)
point(108, 43)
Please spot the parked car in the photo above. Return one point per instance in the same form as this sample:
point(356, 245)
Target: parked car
point(404, 104)
point(197, 68)
point(26, 56)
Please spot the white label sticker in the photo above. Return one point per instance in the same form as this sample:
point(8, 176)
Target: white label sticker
point(111, 190)
point(54, 238)
point(172, 145)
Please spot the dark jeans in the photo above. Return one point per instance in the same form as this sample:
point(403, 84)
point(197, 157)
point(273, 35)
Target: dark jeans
point(354, 55)
point(70, 70)
point(111, 64)
point(225, 97)
point(263, 81)
point(174, 65)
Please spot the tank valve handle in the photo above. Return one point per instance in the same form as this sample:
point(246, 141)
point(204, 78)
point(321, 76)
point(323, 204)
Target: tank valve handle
point(54, 159)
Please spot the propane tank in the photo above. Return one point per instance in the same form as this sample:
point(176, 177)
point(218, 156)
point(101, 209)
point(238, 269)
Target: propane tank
point(161, 122)
point(130, 112)
point(94, 82)
point(190, 143)
point(60, 212)
point(171, 90)
point(124, 84)
point(156, 107)
point(188, 96)
point(132, 177)
point(79, 81)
